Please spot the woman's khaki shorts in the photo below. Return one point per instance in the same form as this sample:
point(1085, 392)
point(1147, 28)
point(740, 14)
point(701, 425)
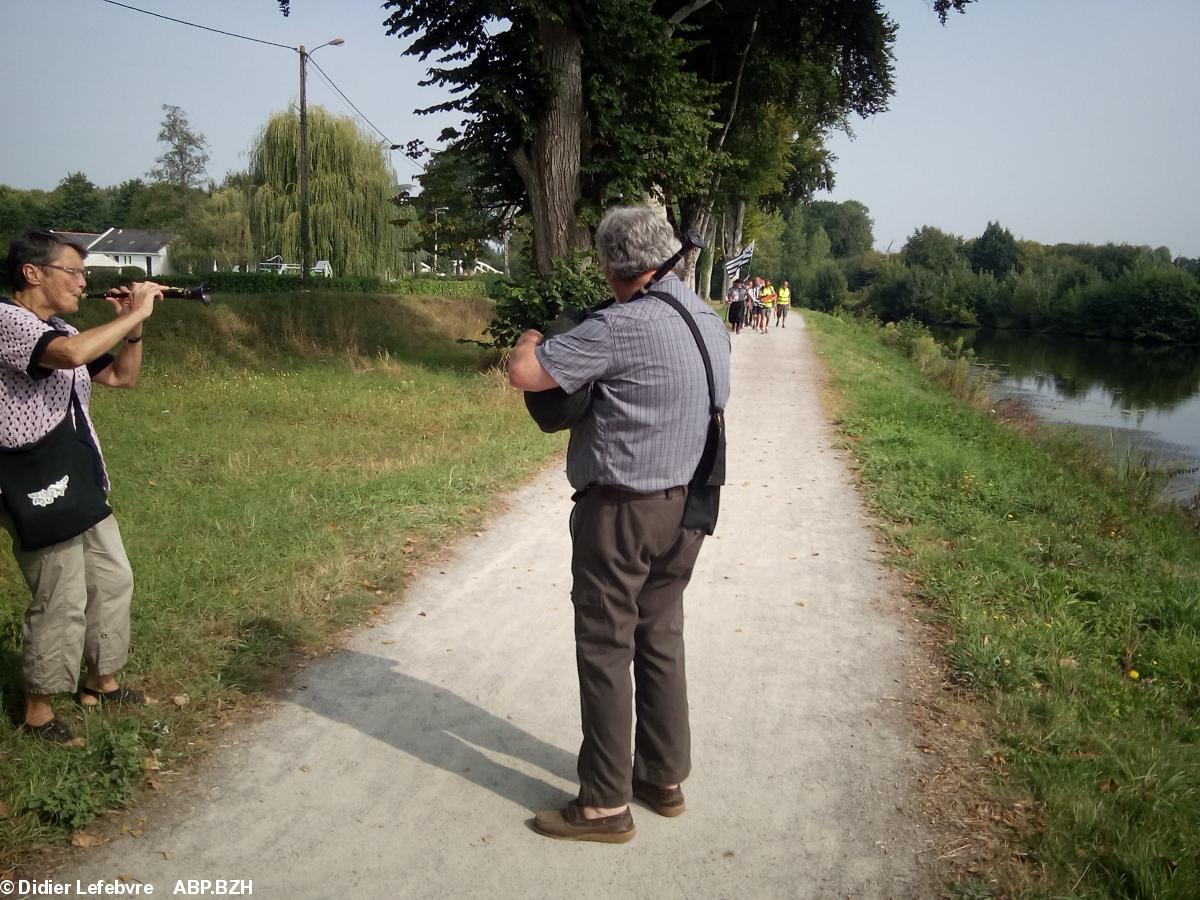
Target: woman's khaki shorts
point(81, 589)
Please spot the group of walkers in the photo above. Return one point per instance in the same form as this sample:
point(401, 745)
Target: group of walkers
point(752, 303)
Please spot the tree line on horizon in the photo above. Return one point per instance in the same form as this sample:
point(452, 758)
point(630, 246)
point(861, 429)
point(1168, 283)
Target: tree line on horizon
point(250, 215)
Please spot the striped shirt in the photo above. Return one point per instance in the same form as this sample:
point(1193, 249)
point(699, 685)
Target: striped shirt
point(650, 404)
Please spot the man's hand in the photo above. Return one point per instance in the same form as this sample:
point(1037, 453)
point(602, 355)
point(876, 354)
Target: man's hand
point(532, 335)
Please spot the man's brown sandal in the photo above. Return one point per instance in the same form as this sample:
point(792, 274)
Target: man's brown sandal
point(569, 824)
point(664, 801)
point(120, 694)
point(55, 731)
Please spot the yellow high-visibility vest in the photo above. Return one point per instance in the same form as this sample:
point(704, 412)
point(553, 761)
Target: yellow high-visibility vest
point(785, 296)
point(768, 296)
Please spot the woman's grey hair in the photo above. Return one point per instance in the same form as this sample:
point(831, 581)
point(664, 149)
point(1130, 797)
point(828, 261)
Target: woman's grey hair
point(631, 240)
point(39, 248)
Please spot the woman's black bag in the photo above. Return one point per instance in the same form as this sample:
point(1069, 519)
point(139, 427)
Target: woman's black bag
point(704, 490)
point(53, 488)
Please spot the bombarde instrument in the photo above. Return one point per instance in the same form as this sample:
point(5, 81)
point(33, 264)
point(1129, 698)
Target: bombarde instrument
point(201, 293)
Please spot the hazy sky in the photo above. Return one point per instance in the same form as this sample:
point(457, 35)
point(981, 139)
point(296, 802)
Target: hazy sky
point(1065, 120)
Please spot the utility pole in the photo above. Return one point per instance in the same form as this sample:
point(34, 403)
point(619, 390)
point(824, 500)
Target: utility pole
point(305, 236)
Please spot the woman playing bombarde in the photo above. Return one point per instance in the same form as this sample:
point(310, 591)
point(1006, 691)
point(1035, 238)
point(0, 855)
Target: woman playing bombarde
point(81, 586)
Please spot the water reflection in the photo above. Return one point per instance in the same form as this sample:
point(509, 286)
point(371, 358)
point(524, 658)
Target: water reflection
point(1136, 376)
point(1150, 393)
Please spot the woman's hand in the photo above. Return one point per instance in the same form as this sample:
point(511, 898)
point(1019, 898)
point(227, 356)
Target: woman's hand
point(137, 301)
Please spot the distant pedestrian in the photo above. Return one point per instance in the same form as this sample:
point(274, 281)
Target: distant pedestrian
point(736, 298)
point(783, 302)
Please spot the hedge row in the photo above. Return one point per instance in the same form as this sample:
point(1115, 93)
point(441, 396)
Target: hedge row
point(267, 283)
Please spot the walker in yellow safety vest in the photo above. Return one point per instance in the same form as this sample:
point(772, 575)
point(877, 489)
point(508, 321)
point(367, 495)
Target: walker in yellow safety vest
point(768, 296)
point(785, 296)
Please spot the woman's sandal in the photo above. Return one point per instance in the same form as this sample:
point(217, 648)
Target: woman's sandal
point(121, 694)
point(55, 731)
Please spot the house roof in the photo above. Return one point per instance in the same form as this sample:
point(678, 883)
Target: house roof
point(131, 240)
point(81, 237)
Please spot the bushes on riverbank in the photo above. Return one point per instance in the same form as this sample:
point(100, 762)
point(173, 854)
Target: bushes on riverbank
point(1073, 616)
point(994, 281)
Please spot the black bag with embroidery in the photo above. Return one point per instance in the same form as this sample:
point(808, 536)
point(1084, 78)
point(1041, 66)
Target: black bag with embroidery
point(53, 489)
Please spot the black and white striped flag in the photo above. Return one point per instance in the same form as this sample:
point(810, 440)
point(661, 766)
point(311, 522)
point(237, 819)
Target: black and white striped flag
point(733, 266)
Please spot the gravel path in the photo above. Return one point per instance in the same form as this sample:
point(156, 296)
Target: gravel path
point(408, 764)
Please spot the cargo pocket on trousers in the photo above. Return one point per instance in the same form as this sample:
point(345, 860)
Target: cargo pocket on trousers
point(591, 614)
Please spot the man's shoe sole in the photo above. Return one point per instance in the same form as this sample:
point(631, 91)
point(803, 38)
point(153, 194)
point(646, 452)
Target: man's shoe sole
point(621, 837)
point(569, 824)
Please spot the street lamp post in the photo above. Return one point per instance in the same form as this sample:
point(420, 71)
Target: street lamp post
point(305, 238)
point(436, 210)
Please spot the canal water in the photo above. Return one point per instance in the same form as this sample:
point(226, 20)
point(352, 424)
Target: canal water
point(1140, 399)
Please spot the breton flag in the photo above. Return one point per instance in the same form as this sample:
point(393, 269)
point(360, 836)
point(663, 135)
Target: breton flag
point(733, 266)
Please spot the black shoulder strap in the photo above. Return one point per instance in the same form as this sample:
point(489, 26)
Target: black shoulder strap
point(695, 329)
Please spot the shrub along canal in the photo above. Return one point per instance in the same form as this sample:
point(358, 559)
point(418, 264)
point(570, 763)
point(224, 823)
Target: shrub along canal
point(1145, 397)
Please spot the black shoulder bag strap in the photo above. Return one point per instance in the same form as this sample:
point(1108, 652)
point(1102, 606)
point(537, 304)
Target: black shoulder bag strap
point(704, 490)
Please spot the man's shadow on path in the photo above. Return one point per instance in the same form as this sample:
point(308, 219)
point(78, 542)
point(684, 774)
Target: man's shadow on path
point(436, 726)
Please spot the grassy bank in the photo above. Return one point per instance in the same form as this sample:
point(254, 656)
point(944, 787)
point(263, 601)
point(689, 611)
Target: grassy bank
point(281, 468)
point(1072, 614)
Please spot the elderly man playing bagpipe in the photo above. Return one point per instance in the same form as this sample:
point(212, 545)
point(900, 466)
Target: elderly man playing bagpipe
point(641, 461)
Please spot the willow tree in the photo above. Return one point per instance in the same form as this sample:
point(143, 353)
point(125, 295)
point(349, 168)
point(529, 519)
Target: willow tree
point(350, 188)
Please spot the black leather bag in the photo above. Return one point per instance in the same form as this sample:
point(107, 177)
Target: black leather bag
point(704, 490)
point(53, 488)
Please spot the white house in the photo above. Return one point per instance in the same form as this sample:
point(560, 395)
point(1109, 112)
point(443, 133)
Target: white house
point(127, 247)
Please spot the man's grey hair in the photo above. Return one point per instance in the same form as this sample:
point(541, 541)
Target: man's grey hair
point(631, 240)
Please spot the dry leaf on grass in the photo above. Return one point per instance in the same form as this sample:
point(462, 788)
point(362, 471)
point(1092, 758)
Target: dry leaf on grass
point(1068, 664)
point(83, 839)
point(181, 700)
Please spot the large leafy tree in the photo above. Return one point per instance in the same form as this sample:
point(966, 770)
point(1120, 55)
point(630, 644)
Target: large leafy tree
point(162, 206)
point(184, 161)
point(848, 225)
point(78, 205)
point(350, 190)
point(21, 210)
point(572, 104)
point(217, 234)
point(995, 251)
point(932, 248)
point(569, 103)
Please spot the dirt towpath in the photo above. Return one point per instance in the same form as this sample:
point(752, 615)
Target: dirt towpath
point(408, 764)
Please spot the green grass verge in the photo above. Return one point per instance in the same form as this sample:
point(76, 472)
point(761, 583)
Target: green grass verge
point(1073, 608)
point(283, 465)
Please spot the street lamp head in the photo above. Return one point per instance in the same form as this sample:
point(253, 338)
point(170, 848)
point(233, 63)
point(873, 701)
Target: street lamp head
point(336, 42)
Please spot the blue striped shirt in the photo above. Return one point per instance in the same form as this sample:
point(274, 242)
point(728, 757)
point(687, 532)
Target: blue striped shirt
point(650, 404)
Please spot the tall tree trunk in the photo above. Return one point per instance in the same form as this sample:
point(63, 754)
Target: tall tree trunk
point(735, 219)
point(695, 214)
point(549, 164)
point(706, 270)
